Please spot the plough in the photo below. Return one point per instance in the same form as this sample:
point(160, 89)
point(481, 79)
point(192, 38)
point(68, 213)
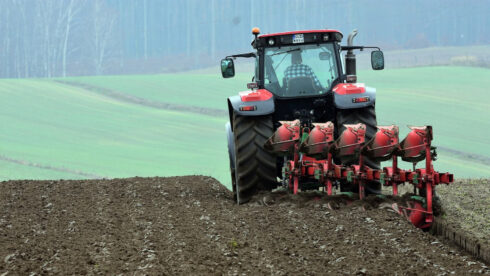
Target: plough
point(310, 152)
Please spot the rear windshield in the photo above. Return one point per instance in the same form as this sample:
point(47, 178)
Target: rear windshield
point(300, 70)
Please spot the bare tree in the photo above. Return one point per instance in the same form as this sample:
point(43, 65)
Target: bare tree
point(145, 30)
point(48, 38)
point(103, 30)
point(69, 20)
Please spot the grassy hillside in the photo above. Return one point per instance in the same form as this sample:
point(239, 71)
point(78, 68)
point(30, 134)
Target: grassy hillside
point(80, 131)
point(206, 90)
point(51, 124)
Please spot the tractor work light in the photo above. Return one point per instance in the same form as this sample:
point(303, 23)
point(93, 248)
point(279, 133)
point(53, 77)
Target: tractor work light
point(338, 36)
point(271, 41)
point(351, 78)
point(252, 85)
point(325, 37)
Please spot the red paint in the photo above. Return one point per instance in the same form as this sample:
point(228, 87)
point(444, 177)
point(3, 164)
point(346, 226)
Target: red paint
point(351, 140)
point(349, 88)
point(385, 142)
point(295, 189)
point(319, 139)
point(329, 187)
point(300, 32)
point(417, 214)
point(351, 143)
point(286, 136)
point(255, 95)
point(415, 142)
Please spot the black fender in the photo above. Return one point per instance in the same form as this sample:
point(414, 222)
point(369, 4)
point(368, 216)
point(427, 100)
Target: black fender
point(231, 145)
point(358, 100)
point(265, 107)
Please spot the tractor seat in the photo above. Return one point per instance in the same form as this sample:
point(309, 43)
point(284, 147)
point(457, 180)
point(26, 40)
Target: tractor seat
point(300, 86)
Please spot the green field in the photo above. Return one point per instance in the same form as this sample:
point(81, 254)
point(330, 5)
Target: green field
point(65, 127)
point(56, 125)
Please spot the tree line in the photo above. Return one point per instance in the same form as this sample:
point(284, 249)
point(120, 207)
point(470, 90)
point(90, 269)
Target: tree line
point(56, 38)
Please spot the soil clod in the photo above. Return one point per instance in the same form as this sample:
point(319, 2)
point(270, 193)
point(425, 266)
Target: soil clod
point(191, 225)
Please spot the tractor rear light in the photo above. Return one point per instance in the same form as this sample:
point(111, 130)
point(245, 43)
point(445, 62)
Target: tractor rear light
point(248, 108)
point(361, 100)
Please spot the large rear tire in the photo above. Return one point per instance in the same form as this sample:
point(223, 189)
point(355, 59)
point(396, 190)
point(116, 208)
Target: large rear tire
point(367, 116)
point(255, 168)
point(231, 155)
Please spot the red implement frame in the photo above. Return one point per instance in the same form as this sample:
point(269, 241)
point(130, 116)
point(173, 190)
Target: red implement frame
point(313, 151)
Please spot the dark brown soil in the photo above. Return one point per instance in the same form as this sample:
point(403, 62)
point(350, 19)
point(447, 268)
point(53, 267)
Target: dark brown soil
point(466, 205)
point(190, 225)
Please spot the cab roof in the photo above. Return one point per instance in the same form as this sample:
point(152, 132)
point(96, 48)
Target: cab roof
point(296, 38)
point(300, 32)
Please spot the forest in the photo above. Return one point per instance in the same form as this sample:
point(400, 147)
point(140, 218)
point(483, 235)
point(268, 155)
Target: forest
point(57, 38)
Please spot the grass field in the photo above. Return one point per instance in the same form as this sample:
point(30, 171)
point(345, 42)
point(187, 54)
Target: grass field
point(65, 127)
point(82, 132)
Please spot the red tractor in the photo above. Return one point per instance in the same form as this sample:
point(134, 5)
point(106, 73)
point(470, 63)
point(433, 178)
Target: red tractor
point(305, 123)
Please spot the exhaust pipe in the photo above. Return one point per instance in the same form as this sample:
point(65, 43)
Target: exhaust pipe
point(350, 59)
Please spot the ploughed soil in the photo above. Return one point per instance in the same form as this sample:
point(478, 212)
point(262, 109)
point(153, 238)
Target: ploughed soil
point(190, 225)
point(466, 205)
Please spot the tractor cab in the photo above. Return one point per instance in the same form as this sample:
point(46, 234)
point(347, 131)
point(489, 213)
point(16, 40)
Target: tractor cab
point(301, 63)
point(302, 70)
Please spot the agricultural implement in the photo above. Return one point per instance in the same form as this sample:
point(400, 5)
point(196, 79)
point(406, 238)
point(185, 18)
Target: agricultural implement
point(306, 124)
point(313, 151)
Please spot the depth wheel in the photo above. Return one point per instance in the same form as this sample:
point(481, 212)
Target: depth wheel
point(255, 167)
point(367, 116)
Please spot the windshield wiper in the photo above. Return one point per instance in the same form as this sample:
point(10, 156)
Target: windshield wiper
point(284, 52)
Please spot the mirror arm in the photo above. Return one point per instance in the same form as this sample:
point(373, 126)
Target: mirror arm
point(347, 48)
point(247, 55)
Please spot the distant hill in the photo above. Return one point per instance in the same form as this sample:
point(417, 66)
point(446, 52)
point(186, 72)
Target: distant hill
point(162, 125)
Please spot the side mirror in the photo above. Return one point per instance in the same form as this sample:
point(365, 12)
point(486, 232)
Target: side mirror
point(377, 60)
point(227, 68)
